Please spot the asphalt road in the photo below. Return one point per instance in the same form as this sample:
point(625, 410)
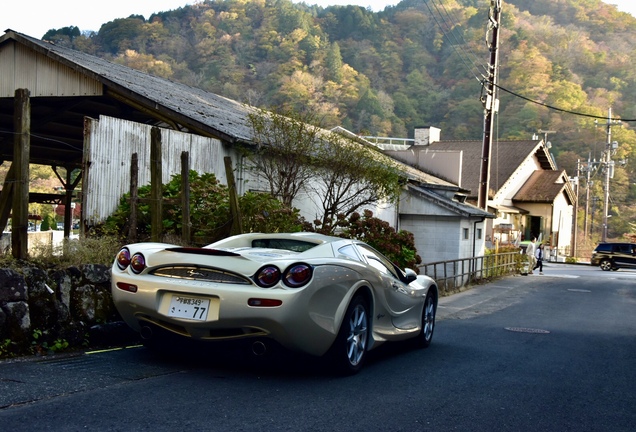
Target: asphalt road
point(542, 353)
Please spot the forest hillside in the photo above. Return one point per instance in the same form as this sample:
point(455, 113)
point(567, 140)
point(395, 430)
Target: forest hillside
point(563, 65)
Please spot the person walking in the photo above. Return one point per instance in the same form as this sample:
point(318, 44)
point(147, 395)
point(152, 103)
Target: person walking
point(539, 258)
point(530, 251)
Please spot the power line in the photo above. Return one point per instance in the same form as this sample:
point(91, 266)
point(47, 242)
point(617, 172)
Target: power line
point(453, 46)
point(561, 109)
point(463, 57)
point(458, 44)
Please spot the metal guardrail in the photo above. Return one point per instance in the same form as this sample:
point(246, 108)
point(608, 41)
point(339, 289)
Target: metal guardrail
point(452, 275)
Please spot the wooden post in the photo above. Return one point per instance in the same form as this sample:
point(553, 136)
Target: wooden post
point(69, 187)
point(134, 197)
point(6, 197)
point(186, 224)
point(68, 204)
point(21, 157)
point(235, 211)
point(156, 187)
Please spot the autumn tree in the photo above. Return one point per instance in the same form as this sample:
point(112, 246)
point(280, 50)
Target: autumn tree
point(285, 144)
point(343, 175)
point(350, 176)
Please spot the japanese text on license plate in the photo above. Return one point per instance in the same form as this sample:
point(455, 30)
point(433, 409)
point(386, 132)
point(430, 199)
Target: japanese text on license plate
point(189, 307)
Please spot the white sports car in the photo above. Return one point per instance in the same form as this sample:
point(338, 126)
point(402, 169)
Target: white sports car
point(321, 295)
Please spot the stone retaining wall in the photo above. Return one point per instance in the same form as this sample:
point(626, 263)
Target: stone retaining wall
point(44, 310)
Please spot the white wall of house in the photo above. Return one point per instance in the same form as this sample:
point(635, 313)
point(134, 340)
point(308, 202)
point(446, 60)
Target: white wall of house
point(562, 220)
point(436, 238)
point(557, 222)
point(446, 165)
point(508, 190)
point(440, 234)
point(443, 238)
point(310, 207)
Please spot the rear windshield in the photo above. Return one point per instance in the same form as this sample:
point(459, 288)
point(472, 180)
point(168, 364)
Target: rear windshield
point(284, 244)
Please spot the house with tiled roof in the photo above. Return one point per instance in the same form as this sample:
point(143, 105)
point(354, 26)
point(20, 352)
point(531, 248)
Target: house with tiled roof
point(530, 197)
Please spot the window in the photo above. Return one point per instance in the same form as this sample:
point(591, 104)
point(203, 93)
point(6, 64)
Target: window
point(349, 252)
point(466, 232)
point(479, 233)
point(624, 248)
point(284, 244)
point(377, 260)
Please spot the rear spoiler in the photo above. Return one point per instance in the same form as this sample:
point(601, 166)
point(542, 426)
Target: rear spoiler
point(202, 251)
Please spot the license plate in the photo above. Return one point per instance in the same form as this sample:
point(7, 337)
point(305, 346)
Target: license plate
point(189, 307)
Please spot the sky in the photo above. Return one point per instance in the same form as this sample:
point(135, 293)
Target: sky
point(36, 17)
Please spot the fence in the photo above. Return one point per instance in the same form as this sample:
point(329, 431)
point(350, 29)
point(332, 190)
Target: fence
point(452, 275)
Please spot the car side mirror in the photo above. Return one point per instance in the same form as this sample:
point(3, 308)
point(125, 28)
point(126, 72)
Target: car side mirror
point(410, 275)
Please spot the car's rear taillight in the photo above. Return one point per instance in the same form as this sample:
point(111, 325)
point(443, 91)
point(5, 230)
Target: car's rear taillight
point(123, 258)
point(137, 263)
point(297, 275)
point(267, 276)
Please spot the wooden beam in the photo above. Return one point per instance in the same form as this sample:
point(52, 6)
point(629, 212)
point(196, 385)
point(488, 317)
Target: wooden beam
point(235, 211)
point(186, 223)
point(21, 156)
point(156, 187)
point(134, 197)
point(6, 197)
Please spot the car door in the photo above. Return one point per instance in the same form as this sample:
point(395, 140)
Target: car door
point(631, 256)
point(623, 255)
point(399, 298)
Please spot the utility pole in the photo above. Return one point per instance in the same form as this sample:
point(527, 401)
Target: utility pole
point(575, 228)
point(588, 170)
point(490, 102)
point(547, 143)
point(610, 147)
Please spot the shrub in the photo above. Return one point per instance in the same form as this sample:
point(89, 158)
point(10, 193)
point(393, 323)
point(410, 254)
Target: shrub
point(263, 213)
point(398, 246)
point(209, 211)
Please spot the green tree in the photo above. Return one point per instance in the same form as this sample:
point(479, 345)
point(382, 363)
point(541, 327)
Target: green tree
point(334, 63)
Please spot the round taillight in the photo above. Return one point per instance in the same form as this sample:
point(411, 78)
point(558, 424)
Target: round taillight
point(267, 277)
point(123, 258)
point(297, 275)
point(138, 263)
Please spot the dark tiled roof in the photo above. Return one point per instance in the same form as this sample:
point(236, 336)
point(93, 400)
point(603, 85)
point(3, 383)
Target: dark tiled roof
point(542, 187)
point(463, 209)
point(505, 158)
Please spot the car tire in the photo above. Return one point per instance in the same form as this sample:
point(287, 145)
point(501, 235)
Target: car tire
point(605, 265)
point(349, 350)
point(429, 311)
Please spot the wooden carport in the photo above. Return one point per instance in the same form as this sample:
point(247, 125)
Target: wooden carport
point(46, 92)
